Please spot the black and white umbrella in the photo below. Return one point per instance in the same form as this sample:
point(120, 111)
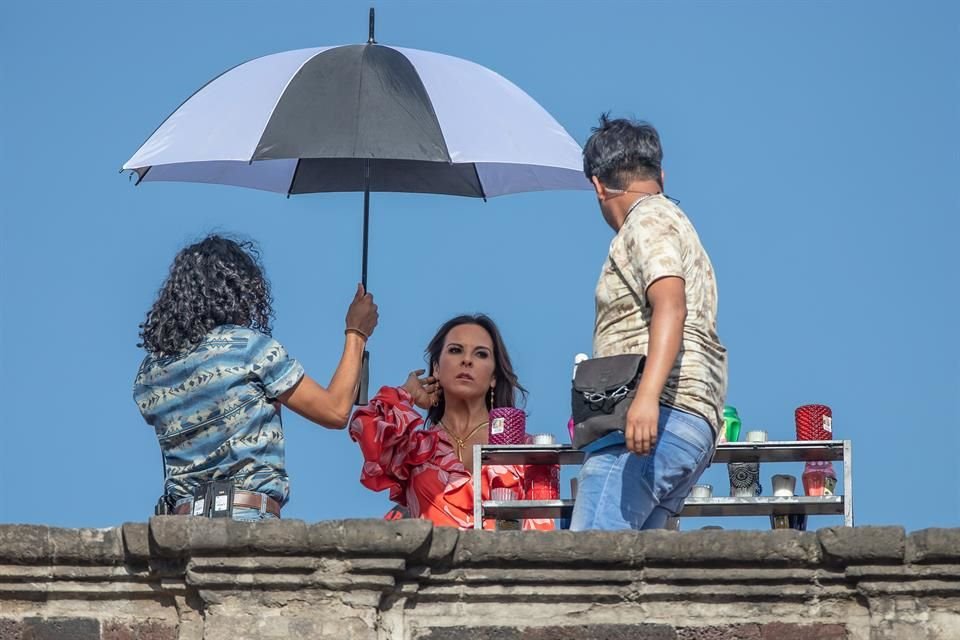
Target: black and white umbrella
point(363, 118)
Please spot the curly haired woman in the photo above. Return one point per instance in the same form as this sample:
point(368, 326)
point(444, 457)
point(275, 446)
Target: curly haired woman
point(213, 381)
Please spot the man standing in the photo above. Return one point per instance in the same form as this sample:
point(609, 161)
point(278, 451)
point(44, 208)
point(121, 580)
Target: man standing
point(657, 296)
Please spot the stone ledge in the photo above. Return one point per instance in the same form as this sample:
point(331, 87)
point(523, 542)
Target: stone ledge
point(846, 545)
point(726, 548)
point(136, 541)
point(637, 549)
point(170, 539)
point(933, 546)
point(193, 578)
point(40, 544)
point(624, 549)
point(372, 537)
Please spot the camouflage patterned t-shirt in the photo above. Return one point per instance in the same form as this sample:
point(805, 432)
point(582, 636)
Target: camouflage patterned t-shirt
point(657, 240)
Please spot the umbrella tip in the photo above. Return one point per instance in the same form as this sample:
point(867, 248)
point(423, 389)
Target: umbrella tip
point(370, 39)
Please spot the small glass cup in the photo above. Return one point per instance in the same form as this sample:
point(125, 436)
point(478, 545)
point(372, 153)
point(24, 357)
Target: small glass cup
point(701, 491)
point(784, 485)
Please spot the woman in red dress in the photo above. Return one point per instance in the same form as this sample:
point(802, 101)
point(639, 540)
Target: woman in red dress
point(427, 464)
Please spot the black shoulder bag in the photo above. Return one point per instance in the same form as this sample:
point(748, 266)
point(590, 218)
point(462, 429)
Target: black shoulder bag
point(603, 389)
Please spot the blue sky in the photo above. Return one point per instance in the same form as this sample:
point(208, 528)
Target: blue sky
point(813, 144)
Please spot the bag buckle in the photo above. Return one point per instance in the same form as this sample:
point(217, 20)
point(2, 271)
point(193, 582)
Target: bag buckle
point(605, 402)
point(599, 398)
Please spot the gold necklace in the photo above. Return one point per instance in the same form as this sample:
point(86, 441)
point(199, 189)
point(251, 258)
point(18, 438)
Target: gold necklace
point(461, 441)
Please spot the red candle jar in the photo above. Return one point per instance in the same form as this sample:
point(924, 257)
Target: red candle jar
point(814, 422)
point(542, 482)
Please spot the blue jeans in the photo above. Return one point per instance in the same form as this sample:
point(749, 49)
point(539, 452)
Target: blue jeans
point(249, 514)
point(617, 489)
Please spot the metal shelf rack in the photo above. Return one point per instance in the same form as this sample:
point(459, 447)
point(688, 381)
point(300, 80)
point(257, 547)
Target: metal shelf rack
point(777, 451)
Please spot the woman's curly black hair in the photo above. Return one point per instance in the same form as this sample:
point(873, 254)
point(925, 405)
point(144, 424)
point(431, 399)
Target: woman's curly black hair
point(214, 282)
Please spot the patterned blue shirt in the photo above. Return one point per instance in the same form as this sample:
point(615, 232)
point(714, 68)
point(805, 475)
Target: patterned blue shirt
point(215, 412)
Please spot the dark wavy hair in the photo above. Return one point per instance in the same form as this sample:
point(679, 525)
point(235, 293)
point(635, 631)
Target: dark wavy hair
point(508, 386)
point(214, 282)
point(620, 151)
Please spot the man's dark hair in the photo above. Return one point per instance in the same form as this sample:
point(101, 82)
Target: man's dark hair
point(621, 151)
point(214, 282)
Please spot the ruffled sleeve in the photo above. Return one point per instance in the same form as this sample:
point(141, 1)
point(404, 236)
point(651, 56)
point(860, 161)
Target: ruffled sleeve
point(392, 446)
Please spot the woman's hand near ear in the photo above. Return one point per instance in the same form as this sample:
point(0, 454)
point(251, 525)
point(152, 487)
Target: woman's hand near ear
point(424, 391)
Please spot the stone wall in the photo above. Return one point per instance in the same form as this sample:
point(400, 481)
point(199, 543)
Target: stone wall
point(192, 578)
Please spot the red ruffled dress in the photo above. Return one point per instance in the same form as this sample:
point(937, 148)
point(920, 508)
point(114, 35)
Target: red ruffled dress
point(420, 467)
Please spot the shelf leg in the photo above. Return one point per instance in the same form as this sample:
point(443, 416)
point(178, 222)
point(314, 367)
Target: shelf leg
point(478, 491)
point(848, 483)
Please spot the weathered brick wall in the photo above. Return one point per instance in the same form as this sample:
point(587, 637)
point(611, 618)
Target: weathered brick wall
point(192, 578)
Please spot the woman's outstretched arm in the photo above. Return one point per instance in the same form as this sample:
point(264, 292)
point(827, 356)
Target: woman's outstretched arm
point(330, 407)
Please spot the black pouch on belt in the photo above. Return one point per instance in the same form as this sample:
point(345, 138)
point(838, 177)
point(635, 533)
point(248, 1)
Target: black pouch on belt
point(221, 498)
point(213, 499)
point(201, 503)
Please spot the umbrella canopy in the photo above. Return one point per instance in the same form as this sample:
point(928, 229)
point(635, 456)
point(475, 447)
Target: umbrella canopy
point(363, 116)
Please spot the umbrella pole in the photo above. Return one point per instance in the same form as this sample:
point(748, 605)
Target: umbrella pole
point(363, 388)
point(366, 221)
